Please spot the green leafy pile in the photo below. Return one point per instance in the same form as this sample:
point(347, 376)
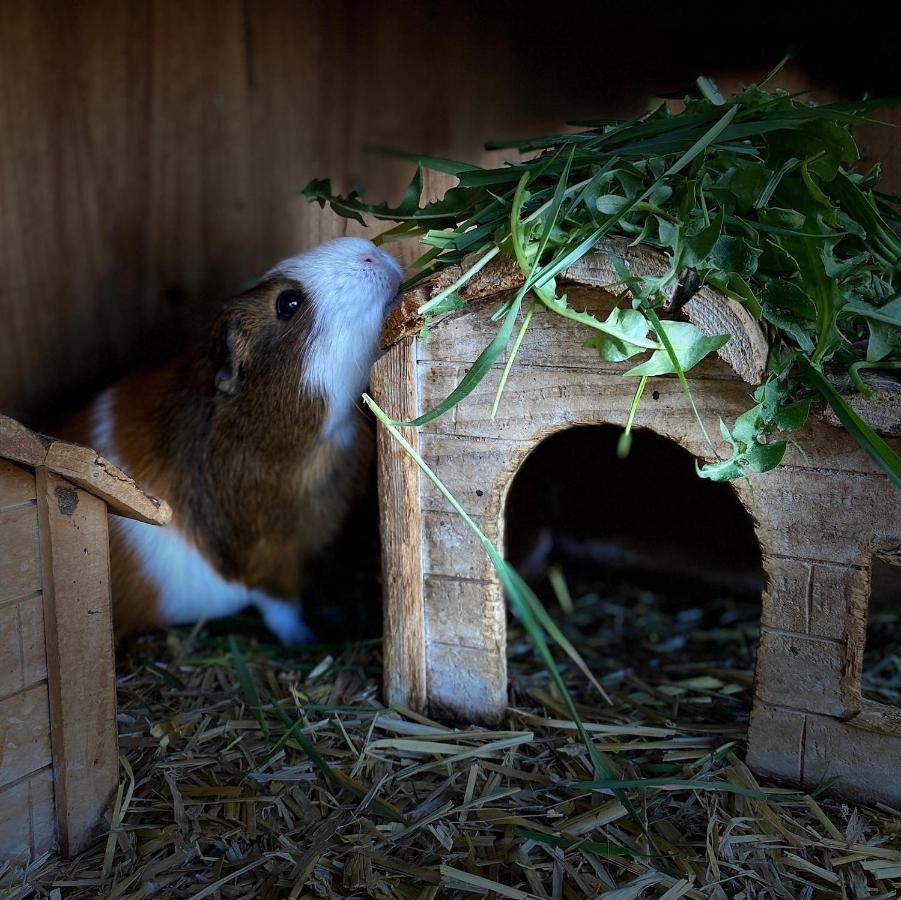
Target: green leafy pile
point(756, 195)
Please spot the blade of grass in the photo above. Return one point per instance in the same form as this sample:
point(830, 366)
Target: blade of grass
point(333, 776)
point(624, 444)
point(508, 579)
point(550, 626)
point(517, 235)
point(568, 843)
point(167, 676)
point(560, 588)
point(477, 266)
point(775, 70)
point(538, 279)
point(680, 373)
point(854, 372)
point(512, 358)
point(525, 613)
point(435, 163)
point(683, 784)
point(247, 685)
point(875, 446)
point(584, 246)
point(882, 238)
point(521, 208)
point(479, 368)
point(554, 208)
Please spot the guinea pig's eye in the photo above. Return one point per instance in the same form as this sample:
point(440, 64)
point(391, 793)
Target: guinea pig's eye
point(288, 302)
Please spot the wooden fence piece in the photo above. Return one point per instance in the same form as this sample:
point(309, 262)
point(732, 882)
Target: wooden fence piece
point(80, 664)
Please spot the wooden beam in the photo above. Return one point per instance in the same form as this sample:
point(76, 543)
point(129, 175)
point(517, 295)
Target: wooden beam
point(80, 664)
point(709, 310)
point(83, 467)
point(394, 386)
point(20, 444)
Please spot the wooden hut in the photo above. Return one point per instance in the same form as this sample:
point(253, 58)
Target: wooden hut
point(820, 519)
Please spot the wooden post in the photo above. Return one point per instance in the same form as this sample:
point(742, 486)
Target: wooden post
point(393, 383)
point(74, 548)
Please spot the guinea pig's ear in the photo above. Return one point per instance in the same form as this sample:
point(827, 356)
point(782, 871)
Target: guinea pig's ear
point(237, 346)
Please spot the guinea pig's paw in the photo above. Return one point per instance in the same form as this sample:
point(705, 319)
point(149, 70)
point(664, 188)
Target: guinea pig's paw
point(284, 620)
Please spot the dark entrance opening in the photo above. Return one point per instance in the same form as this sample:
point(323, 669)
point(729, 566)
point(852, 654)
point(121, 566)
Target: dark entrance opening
point(663, 567)
point(881, 677)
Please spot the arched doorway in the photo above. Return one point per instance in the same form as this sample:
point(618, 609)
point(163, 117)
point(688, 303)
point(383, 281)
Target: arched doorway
point(663, 568)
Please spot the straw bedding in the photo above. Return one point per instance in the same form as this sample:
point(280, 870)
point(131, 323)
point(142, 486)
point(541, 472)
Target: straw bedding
point(248, 771)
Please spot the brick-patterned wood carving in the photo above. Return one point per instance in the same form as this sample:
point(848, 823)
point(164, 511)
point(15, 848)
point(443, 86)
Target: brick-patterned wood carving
point(58, 748)
point(819, 519)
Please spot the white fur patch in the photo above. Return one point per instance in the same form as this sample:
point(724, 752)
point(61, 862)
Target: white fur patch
point(190, 589)
point(102, 425)
point(351, 284)
point(283, 619)
point(187, 586)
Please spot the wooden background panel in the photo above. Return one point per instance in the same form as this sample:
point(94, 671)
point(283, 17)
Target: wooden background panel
point(151, 152)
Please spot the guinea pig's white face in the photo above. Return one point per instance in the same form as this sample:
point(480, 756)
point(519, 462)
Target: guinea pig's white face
point(347, 274)
point(351, 284)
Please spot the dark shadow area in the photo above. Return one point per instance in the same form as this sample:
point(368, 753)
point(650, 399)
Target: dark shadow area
point(343, 600)
point(664, 47)
point(647, 520)
point(881, 676)
point(663, 567)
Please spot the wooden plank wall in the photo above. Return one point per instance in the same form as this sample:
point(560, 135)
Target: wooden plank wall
point(151, 151)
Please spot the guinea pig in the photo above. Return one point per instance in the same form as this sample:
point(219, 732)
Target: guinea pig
point(255, 437)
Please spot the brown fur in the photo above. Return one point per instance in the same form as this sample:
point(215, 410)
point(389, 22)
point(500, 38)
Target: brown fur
point(241, 463)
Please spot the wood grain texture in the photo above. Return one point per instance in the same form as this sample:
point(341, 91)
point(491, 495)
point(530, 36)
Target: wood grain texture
point(394, 389)
point(158, 169)
point(22, 644)
point(858, 754)
point(444, 616)
point(20, 571)
point(776, 743)
point(464, 613)
point(20, 444)
point(803, 673)
point(450, 549)
point(467, 684)
point(24, 733)
point(881, 411)
point(16, 485)
point(27, 821)
point(709, 310)
point(80, 664)
point(553, 364)
point(84, 467)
